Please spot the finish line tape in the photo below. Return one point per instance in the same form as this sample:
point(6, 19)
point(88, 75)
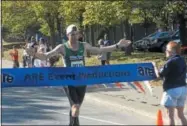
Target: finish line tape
point(76, 76)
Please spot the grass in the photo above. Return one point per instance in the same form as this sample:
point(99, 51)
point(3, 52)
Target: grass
point(120, 58)
point(116, 58)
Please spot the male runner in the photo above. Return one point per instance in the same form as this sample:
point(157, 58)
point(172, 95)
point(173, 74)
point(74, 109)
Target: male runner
point(73, 53)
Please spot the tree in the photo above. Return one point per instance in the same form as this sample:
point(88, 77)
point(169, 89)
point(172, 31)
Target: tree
point(21, 15)
point(105, 13)
point(18, 16)
point(146, 12)
point(47, 12)
point(176, 10)
point(72, 11)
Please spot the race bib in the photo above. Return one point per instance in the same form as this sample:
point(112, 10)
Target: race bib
point(77, 63)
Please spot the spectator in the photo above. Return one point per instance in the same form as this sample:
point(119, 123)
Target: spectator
point(34, 45)
point(174, 83)
point(102, 56)
point(107, 42)
point(25, 56)
point(42, 48)
point(14, 54)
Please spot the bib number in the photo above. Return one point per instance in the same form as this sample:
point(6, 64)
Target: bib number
point(77, 64)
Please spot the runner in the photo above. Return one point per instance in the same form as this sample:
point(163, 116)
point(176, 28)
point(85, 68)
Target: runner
point(73, 53)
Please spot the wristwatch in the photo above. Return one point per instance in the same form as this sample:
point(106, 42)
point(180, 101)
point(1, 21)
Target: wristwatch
point(117, 47)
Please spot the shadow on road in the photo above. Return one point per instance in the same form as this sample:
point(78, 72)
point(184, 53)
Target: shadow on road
point(21, 105)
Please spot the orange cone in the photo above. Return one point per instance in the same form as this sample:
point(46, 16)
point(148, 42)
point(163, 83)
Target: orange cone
point(159, 121)
point(119, 85)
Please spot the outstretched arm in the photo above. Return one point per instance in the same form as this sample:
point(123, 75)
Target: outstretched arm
point(43, 56)
point(96, 50)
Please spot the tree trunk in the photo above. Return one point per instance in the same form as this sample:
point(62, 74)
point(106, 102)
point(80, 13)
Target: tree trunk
point(59, 29)
point(52, 33)
point(129, 49)
point(114, 33)
point(182, 30)
point(50, 19)
point(92, 35)
point(52, 38)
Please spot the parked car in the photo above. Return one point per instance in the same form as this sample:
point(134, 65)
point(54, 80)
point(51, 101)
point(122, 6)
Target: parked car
point(142, 44)
point(158, 35)
point(160, 43)
point(145, 42)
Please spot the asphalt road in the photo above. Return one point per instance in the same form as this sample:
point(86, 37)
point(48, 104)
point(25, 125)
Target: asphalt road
point(44, 106)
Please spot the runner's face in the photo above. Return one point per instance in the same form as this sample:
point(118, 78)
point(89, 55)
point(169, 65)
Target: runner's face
point(73, 36)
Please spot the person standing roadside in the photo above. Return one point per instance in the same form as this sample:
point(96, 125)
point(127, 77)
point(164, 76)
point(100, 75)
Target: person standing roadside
point(174, 83)
point(42, 48)
point(15, 56)
point(103, 56)
point(107, 42)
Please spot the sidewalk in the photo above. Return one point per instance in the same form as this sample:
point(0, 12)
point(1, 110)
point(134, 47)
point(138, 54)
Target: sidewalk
point(125, 99)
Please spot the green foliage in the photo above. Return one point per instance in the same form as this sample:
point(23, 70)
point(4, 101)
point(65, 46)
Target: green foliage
point(145, 11)
point(105, 13)
point(94, 12)
point(176, 7)
point(17, 15)
point(45, 29)
point(46, 12)
point(72, 11)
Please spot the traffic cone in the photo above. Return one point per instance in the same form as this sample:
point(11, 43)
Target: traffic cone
point(159, 121)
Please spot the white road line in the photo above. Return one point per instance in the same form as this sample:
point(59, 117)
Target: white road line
point(99, 120)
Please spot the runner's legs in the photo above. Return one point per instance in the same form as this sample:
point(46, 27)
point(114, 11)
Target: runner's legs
point(76, 97)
